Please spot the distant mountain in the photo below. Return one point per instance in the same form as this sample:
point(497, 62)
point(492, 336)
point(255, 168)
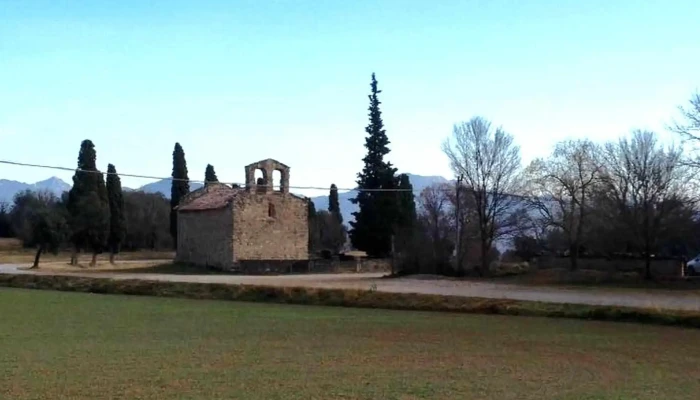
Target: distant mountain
point(163, 186)
point(8, 188)
point(419, 183)
point(55, 185)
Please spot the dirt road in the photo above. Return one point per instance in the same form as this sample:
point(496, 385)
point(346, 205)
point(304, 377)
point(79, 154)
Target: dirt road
point(621, 297)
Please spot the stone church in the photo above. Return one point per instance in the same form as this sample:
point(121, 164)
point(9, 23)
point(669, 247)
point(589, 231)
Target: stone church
point(258, 226)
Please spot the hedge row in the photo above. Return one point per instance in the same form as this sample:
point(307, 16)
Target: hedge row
point(349, 298)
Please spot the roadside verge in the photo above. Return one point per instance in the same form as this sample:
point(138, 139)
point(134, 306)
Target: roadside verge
point(348, 298)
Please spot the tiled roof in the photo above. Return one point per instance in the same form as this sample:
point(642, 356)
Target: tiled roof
point(213, 198)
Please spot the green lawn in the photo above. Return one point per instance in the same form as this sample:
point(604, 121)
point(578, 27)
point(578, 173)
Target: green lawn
point(57, 345)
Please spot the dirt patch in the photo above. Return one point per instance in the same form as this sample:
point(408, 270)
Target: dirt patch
point(428, 277)
point(102, 266)
point(24, 256)
point(593, 278)
point(7, 244)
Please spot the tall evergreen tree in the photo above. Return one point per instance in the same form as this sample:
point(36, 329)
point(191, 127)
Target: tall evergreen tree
point(210, 175)
point(5, 225)
point(179, 189)
point(407, 216)
point(117, 221)
point(374, 222)
point(311, 219)
point(88, 205)
point(334, 204)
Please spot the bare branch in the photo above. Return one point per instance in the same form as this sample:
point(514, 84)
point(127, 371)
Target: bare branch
point(690, 130)
point(559, 189)
point(646, 182)
point(489, 160)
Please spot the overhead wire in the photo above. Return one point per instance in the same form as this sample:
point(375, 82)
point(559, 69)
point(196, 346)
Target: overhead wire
point(169, 178)
point(53, 167)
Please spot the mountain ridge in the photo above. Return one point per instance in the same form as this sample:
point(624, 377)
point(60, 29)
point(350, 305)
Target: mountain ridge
point(9, 188)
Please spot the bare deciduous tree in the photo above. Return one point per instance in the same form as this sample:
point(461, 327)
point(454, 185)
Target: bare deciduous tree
point(689, 130)
point(434, 204)
point(559, 189)
point(647, 182)
point(489, 160)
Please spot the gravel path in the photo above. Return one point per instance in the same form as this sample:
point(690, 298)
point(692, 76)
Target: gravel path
point(621, 297)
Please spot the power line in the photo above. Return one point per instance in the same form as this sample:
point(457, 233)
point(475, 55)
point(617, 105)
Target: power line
point(23, 164)
point(445, 188)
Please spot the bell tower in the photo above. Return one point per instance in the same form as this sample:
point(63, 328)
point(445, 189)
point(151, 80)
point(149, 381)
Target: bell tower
point(267, 167)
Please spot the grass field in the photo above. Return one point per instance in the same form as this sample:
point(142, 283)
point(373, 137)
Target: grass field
point(68, 345)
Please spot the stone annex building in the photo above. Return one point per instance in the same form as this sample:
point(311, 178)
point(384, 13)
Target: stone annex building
point(252, 228)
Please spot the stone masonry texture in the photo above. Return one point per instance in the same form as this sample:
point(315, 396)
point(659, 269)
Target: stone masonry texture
point(259, 236)
point(205, 237)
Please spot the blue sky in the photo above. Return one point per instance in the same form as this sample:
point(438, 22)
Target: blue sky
point(239, 81)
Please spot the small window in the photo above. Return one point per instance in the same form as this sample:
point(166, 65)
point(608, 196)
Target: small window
point(271, 210)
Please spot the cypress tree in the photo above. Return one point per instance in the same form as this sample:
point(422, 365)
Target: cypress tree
point(210, 175)
point(179, 189)
point(406, 217)
point(374, 221)
point(311, 209)
point(117, 221)
point(311, 219)
point(88, 205)
point(334, 204)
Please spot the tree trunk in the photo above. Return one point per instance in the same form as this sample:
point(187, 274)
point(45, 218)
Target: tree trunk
point(647, 257)
point(647, 249)
point(93, 262)
point(647, 267)
point(484, 268)
point(74, 257)
point(458, 230)
point(573, 256)
point(393, 257)
point(36, 258)
point(111, 257)
point(579, 230)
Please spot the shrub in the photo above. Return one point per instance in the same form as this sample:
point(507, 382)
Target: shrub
point(500, 268)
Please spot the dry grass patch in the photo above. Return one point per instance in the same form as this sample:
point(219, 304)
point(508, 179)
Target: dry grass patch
point(10, 244)
point(24, 256)
point(80, 346)
point(102, 266)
